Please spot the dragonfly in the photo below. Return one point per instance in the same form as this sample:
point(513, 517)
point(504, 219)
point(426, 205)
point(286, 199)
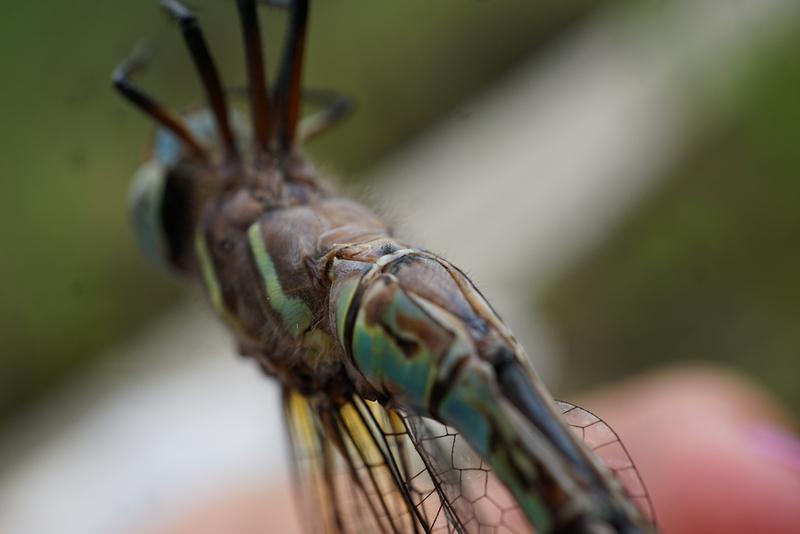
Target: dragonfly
point(410, 405)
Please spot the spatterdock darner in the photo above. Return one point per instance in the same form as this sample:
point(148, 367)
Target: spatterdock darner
point(410, 405)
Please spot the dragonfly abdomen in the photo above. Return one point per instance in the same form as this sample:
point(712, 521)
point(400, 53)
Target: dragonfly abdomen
point(418, 333)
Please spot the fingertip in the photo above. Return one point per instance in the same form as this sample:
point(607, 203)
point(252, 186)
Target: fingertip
point(242, 510)
point(706, 475)
point(710, 449)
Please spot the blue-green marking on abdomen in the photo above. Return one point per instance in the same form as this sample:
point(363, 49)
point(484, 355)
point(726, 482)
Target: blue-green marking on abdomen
point(383, 361)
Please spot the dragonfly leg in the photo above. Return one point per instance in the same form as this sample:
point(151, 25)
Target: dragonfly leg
point(121, 79)
point(336, 108)
point(276, 3)
point(256, 80)
point(287, 93)
point(207, 71)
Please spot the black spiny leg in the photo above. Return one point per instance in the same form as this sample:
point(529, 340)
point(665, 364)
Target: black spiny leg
point(335, 108)
point(287, 92)
point(257, 84)
point(163, 116)
point(207, 72)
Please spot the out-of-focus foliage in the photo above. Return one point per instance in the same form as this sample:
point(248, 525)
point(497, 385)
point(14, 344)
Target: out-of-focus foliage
point(707, 267)
point(73, 281)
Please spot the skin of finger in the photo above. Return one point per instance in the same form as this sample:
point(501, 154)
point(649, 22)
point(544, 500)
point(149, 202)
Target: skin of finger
point(257, 510)
point(691, 433)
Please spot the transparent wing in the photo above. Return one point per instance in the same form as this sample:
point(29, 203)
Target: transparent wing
point(456, 486)
point(371, 456)
point(363, 468)
point(314, 466)
point(477, 500)
point(605, 443)
point(348, 479)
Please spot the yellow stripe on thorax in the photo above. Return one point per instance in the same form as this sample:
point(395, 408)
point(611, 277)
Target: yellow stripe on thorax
point(295, 314)
point(212, 283)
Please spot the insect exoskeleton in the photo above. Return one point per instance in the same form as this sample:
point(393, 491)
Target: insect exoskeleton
point(373, 340)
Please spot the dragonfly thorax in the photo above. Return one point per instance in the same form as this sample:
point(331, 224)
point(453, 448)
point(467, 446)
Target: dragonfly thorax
point(260, 261)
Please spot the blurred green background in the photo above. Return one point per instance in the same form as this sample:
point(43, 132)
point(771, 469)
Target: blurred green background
point(705, 268)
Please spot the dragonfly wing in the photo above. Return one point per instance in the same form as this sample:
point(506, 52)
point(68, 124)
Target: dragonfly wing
point(373, 455)
point(443, 485)
point(314, 465)
point(605, 443)
point(363, 468)
point(347, 466)
point(459, 489)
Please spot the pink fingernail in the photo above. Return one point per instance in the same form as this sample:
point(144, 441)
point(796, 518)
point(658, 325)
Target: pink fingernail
point(779, 444)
